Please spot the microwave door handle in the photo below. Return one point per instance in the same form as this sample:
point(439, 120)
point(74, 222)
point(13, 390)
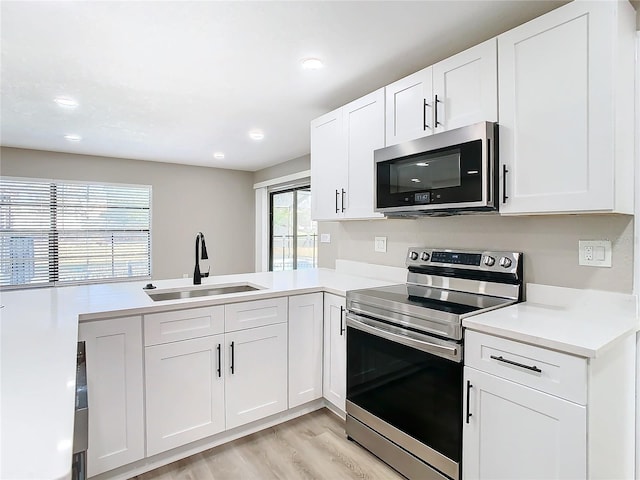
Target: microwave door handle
point(407, 339)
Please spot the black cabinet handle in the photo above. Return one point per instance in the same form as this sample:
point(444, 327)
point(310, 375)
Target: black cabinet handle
point(342, 199)
point(521, 365)
point(232, 357)
point(337, 193)
point(504, 183)
point(435, 105)
point(218, 348)
point(341, 320)
point(469, 387)
point(424, 115)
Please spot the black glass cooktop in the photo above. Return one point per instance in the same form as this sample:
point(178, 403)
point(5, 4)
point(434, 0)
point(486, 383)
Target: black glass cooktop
point(403, 296)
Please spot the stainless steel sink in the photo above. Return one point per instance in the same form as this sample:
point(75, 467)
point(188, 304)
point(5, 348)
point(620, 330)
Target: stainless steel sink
point(202, 292)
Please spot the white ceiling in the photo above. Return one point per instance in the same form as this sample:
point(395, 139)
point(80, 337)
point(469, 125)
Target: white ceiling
point(176, 81)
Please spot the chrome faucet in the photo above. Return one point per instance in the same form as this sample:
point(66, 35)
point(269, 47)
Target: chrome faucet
point(197, 276)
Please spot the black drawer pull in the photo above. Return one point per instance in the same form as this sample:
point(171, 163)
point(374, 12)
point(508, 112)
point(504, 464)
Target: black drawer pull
point(219, 361)
point(522, 365)
point(232, 358)
point(469, 387)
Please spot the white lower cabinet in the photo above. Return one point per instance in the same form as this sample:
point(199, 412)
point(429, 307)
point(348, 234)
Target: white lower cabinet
point(115, 386)
point(535, 413)
point(256, 373)
point(516, 432)
point(305, 348)
point(334, 384)
point(185, 392)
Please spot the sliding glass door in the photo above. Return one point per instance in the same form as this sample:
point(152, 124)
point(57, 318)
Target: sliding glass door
point(293, 235)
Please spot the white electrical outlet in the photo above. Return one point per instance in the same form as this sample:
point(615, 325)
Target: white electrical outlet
point(380, 244)
point(594, 253)
point(325, 238)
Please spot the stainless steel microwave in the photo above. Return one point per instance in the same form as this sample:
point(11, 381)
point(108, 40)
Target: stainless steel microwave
point(447, 173)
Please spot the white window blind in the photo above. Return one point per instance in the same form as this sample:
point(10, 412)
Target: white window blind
point(55, 232)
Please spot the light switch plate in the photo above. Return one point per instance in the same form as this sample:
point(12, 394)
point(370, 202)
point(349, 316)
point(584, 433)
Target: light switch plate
point(325, 238)
point(594, 253)
point(380, 244)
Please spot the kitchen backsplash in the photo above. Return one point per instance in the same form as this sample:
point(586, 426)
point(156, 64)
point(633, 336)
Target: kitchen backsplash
point(550, 244)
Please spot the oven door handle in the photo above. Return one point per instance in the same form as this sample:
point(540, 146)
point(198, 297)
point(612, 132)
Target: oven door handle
point(407, 338)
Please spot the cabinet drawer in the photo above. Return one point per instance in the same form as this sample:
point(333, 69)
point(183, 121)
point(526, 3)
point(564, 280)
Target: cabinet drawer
point(258, 313)
point(546, 370)
point(179, 325)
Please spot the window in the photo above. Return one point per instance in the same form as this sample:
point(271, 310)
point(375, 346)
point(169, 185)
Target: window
point(55, 232)
point(293, 235)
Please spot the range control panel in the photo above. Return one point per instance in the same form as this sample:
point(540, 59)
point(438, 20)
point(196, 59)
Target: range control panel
point(492, 261)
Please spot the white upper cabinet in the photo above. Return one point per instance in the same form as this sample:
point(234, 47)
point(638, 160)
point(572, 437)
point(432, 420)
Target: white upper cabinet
point(328, 165)
point(465, 88)
point(566, 111)
point(409, 112)
point(458, 91)
point(364, 133)
point(342, 145)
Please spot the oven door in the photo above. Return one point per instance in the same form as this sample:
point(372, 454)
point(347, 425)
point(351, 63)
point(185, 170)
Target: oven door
point(407, 387)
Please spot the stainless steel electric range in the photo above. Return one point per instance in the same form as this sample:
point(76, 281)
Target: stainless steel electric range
point(404, 355)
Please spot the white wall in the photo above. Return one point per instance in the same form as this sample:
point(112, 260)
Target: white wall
point(549, 243)
point(186, 199)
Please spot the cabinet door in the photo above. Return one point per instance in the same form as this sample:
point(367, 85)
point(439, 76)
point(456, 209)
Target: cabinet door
point(114, 386)
point(305, 348)
point(364, 131)
point(328, 166)
point(556, 103)
point(409, 112)
point(517, 432)
point(466, 87)
point(335, 351)
point(184, 392)
point(256, 378)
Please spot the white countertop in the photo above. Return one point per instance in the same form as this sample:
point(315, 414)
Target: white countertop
point(38, 335)
point(580, 322)
point(39, 330)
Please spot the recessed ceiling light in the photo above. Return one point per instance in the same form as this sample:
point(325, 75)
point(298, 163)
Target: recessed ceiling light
point(256, 134)
point(66, 102)
point(416, 180)
point(72, 137)
point(218, 155)
point(312, 64)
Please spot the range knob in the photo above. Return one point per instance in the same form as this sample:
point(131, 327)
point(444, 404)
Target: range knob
point(489, 261)
point(505, 262)
point(424, 257)
point(413, 255)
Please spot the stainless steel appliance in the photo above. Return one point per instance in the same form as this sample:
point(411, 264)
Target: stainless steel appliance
point(446, 173)
point(81, 420)
point(404, 355)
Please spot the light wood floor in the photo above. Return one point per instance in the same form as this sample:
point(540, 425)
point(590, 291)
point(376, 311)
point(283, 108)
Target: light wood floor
point(313, 446)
